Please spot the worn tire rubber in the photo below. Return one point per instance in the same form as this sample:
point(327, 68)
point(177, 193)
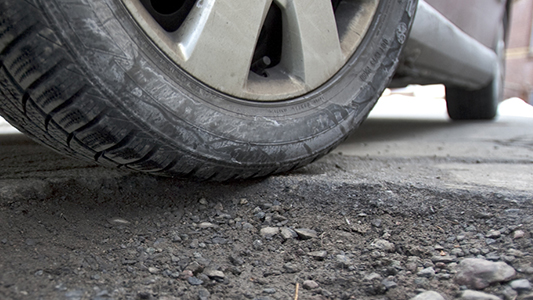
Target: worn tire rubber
point(82, 78)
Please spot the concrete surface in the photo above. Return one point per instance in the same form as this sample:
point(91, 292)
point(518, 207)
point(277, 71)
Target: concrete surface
point(406, 140)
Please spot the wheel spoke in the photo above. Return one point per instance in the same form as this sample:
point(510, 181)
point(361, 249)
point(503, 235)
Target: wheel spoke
point(218, 39)
point(311, 47)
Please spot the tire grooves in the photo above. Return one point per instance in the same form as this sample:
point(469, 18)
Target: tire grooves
point(48, 74)
point(83, 90)
point(28, 32)
point(95, 121)
point(24, 102)
point(145, 158)
point(122, 143)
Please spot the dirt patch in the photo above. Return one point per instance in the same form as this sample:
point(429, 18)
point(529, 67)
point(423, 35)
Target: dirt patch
point(139, 237)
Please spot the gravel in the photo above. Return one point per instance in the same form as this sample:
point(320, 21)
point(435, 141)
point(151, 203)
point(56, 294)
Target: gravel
point(260, 240)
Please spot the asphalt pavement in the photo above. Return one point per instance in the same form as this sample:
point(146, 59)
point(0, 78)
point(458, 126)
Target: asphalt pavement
point(408, 139)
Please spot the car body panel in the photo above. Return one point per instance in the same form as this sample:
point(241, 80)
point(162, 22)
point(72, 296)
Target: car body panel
point(452, 42)
point(477, 18)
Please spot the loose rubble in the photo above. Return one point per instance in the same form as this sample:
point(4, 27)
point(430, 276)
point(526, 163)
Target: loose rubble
point(247, 241)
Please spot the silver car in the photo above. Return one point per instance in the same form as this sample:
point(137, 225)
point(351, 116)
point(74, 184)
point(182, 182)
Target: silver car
point(232, 89)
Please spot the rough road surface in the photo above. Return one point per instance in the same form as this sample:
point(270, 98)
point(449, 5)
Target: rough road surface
point(421, 208)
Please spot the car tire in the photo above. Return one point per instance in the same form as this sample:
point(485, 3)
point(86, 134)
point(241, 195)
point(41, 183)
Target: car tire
point(481, 104)
point(85, 79)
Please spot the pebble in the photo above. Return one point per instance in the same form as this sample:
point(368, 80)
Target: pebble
point(427, 272)
point(269, 291)
point(119, 221)
point(389, 284)
point(343, 261)
point(203, 201)
point(478, 273)
point(153, 270)
point(515, 253)
point(444, 259)
point(493, 234)
point(247, 226)
point(205, 225)
point(194, 281)
point(203, 294)
point(258, 245)
point(429, 295)
point(476, 295)
point(518, 234)
point(214, 274)
point(306, 234)
point(310, 285)
point(384, 245)
point(287, 233)
point(195, 267)
point(235, 260)
point(371, 276)
point(318, 255)
point(269, 232)
point(291, 268)
point(520, 285)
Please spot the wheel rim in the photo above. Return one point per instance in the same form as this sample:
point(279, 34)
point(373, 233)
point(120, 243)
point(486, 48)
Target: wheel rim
point(238, 47)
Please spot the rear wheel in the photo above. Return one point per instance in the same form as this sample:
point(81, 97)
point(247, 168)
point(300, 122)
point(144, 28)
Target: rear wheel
point(208, 89)
point(481, 104)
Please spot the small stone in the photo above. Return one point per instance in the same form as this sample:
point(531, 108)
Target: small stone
point(235, 260)
point(493, 256)
point(389, 284)
point(515, 253)
point(194, 281)
point(518, 234)
point(371, 276)
point(343, 261)
point(444, 259)
point(318, 255)
point(214, 274)
point(258, 245)
point(248, 226)
point(429, 295)
point(269, 291)
point(291, 268)
point(306, 234)
point(287, 233)
point(194, 244)
point(427, 272)
point(475, 295)
point(195, 267)
point(494, 234)
point(479, 273)
point(153, 270)
point(383, 245)
point(520, 285)
point(269, 232)
point(474, 251)
point(203, 201)
point(508, 293)
point(458, 252)
point(186, 274)
point(438, 247)
point(203, 294)
point(310, 285)
point(205, 225)
point(376, 223)
point(119, 221)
